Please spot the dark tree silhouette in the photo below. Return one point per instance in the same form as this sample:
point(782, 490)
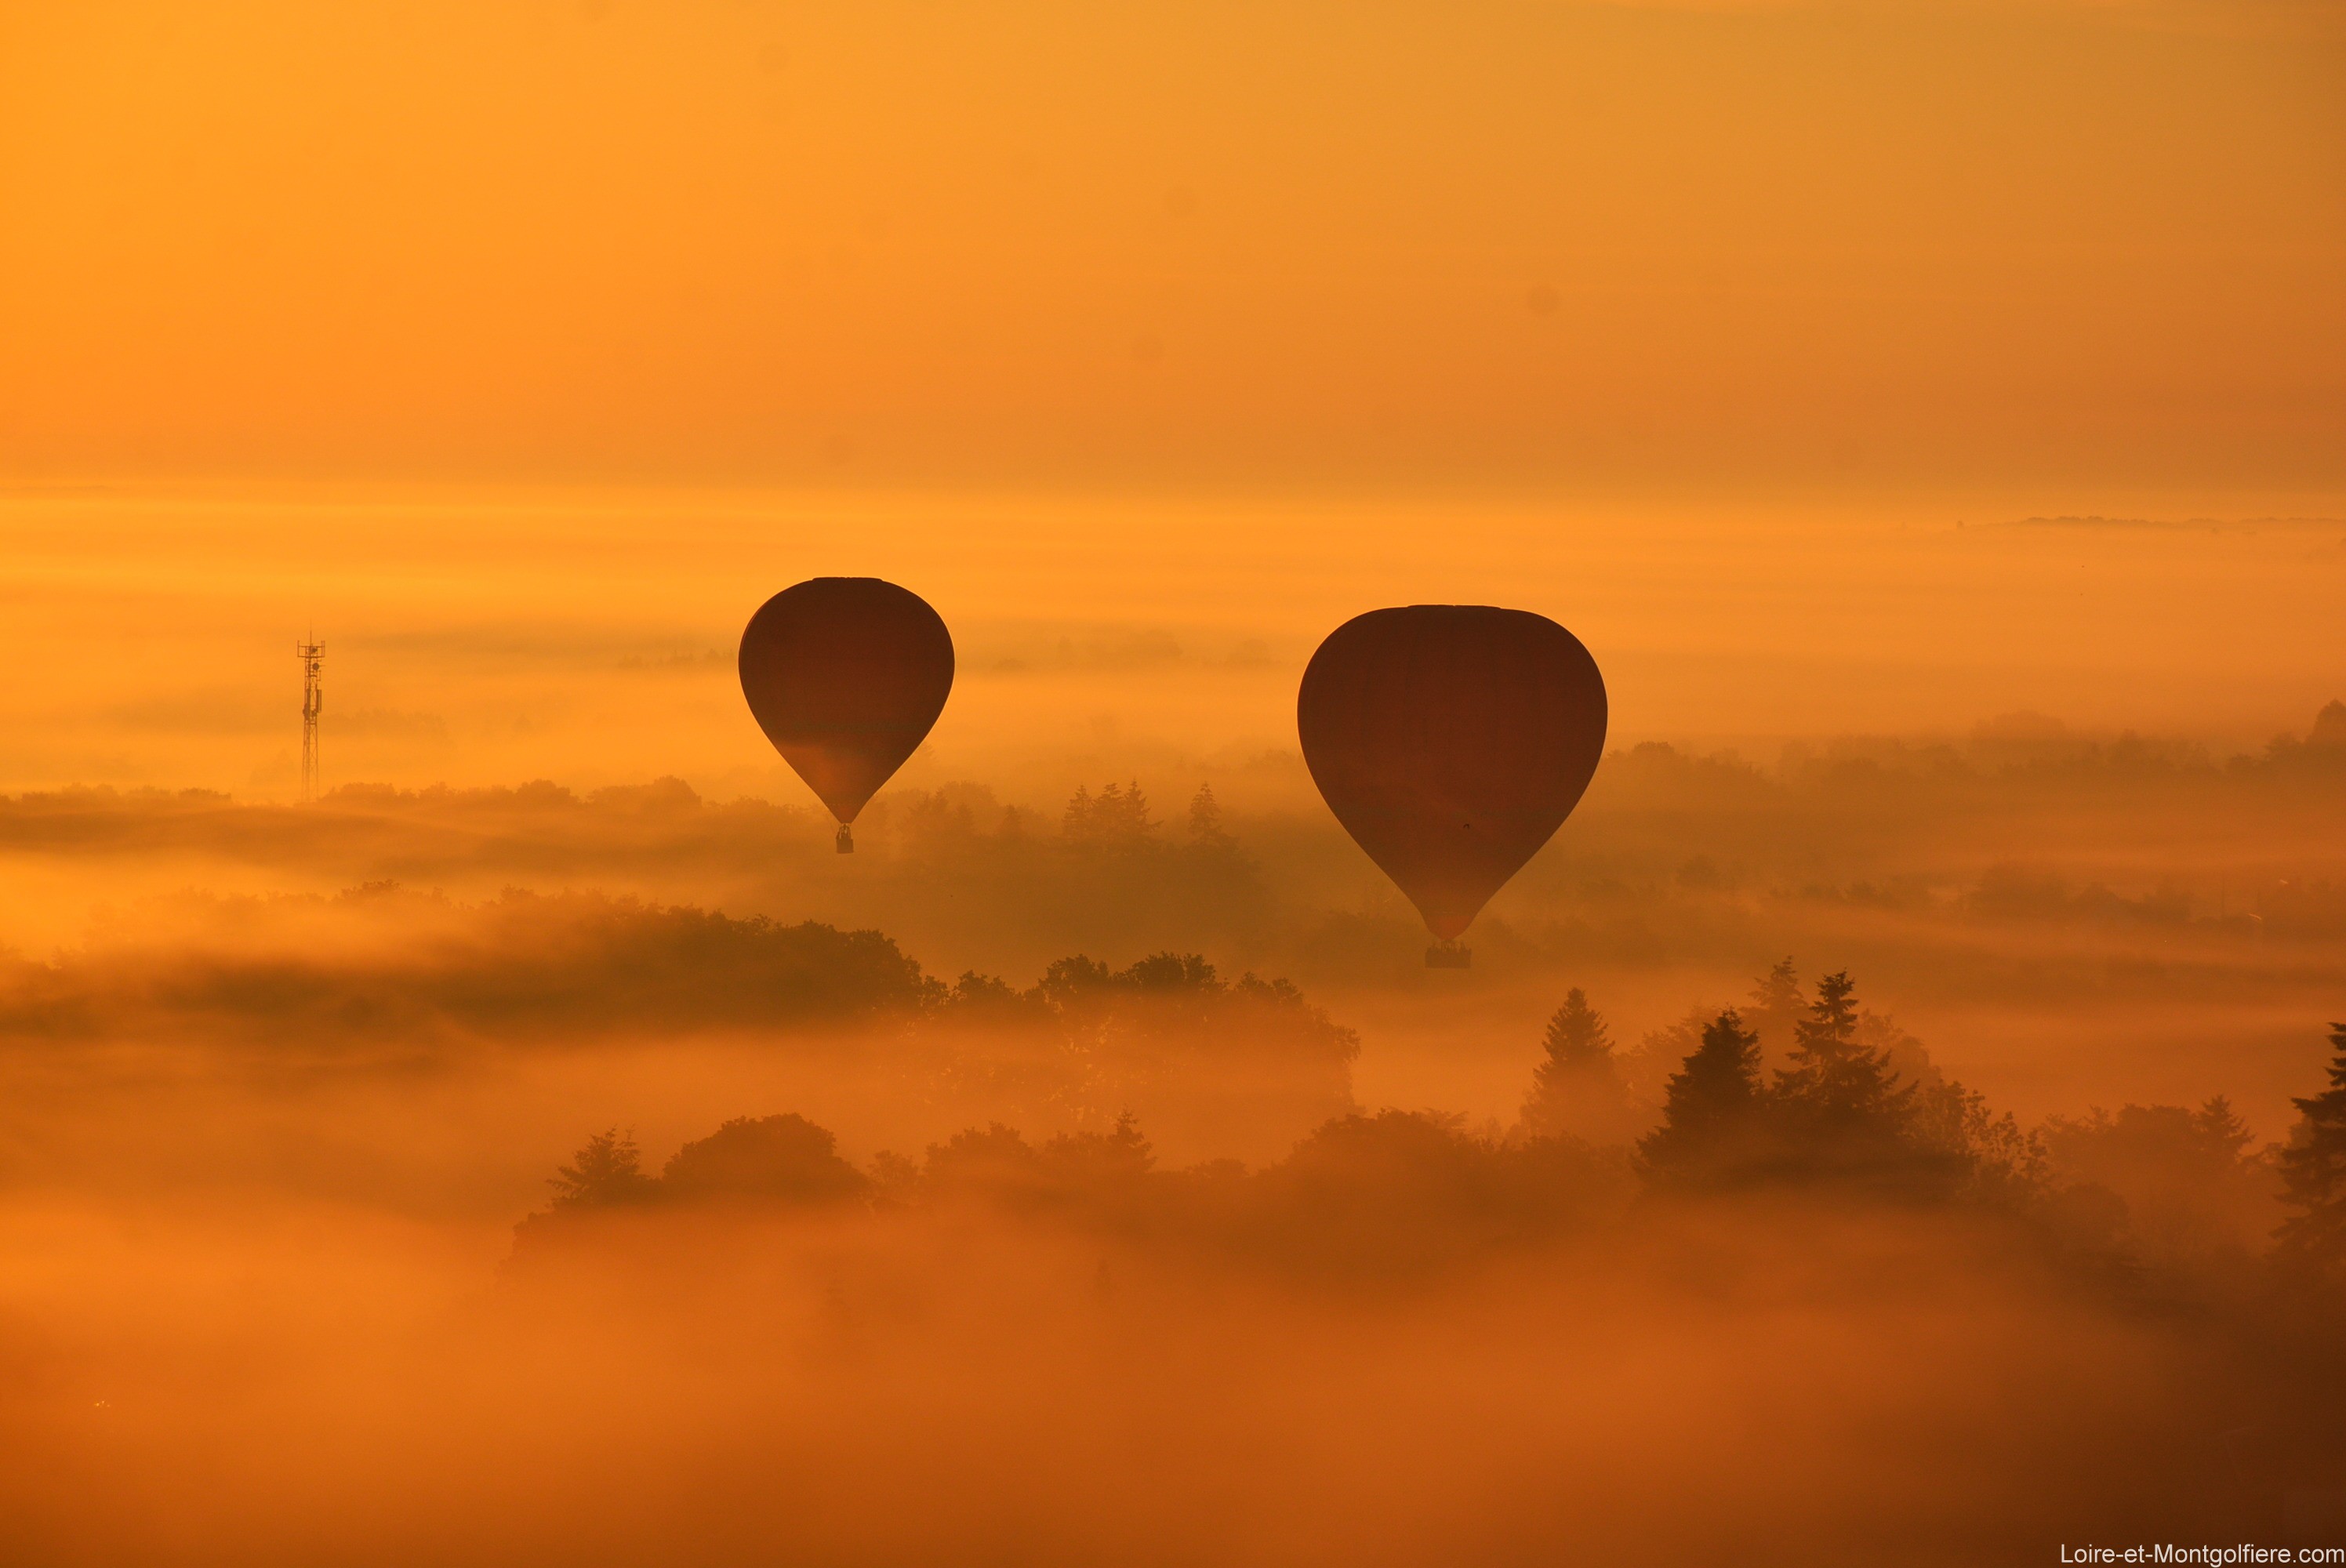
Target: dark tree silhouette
point(1839, 1089)
point(785, 1159)
point(1115, 817)
point(1775, 1006)
point(605, 1172)
point(1403, 1192)
point(1577, 1089)
point(994, 1162)
point(1715, 1121)
point(1205, 816)
point(1102, 1175)
point(1116, 1157)
point(2314, 1176)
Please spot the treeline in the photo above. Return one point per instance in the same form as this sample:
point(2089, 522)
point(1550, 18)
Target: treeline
point(1869, 822)
point(384, 833)
point(1855, 1106)
point(384, 970)
point(380, 965)
point(1397, 1193)
point(393, 831)
point(384, 959)
point(1207, 1062)
point(1405, 1192)
point(1838, 1112)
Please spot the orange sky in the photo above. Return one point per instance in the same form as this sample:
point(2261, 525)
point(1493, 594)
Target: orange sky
point(1797, 246)
point(589, 635)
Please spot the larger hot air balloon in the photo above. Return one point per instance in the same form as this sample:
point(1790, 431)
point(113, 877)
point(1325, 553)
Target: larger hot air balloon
point(845, 675)
point(1451, 741)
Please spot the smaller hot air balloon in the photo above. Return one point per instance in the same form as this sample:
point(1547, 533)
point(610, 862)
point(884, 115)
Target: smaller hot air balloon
point(846, 675)
point(1451, 741)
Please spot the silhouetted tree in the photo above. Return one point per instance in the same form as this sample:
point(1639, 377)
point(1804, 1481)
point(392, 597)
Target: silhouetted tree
point(1775, 1006)
point(1073, 978)
point(986, 999)
point(2329, 728)
point(1115, 816)
point(2314, 1176)
point(1978, 1153)
point(1715, 1121)
point(2220, 1128)
point(1171, 972)
point(1402, 1192)
point(1576, 1089)
point(784, 1158)
point(608, 1172)
point(2196, 1193)
point(1842, 1087)
point(1847, 1117)
point(1205, 816)
point(1576, 1036)
point(994, 1163)
point(1109, 1164)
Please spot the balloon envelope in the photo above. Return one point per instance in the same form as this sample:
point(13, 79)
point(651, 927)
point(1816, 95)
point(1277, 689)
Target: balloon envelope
point(1451, 741)
point(846, 675)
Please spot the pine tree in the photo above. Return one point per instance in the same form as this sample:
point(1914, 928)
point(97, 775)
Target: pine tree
point(1205, 816)
point(2314, 1176)
point(2329, 728)
point(1843, 1102)
point(2223, 1132)
point(1576, 1089)
point(1576, 1036)
point(608, 1170)
point(1832, 1072)
point(1116, 816)
point(1128, 817)
point(1714, 1119)
point(1775, 1006)
point(1075, 821)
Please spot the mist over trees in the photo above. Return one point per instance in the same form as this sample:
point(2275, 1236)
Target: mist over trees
point(2020, 828)
point(963, 1159)
point(382, 965)
point(2313, 1172)
point(1576, 1089)
point(2189, 1195)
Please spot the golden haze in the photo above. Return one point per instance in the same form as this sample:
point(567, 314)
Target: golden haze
point(544, 1147)
point(1676, 245)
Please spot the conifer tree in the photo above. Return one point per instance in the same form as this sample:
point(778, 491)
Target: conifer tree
point(1833, 1074)
point(1576, 1089)
point(1576, 1036)
point(2225, 1136)
point(1841, 1102)
point(1775, 1007)
point(1075, 821)
point(608, 1170)
point(1715, 1117)
point(1205, 816)
point(2314, 1176)
point(1115, 816)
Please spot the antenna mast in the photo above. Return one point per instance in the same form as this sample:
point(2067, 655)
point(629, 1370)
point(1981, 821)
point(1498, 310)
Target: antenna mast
point(313, 659)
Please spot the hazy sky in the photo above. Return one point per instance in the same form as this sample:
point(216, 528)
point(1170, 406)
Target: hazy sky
point(1863, 369)
point(589, 637)
point(1803, 245)
point(522, 350)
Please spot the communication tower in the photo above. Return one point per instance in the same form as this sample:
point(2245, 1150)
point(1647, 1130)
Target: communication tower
point(313, 660)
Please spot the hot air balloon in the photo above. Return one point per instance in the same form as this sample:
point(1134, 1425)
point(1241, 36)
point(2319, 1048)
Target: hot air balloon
point(1451, 741)
point(845, 675)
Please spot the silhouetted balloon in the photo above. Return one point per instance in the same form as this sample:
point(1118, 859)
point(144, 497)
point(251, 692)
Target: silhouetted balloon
point(846, 675)
point(1451, 741)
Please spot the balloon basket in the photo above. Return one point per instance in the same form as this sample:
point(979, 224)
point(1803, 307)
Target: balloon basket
point(1449, 955)
point(845, 841)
